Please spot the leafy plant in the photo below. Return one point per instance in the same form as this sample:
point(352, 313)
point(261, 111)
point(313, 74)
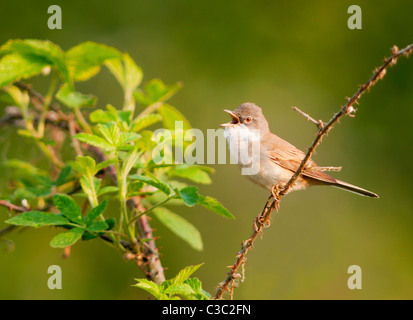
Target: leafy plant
point(110, 157)
point(179, 286)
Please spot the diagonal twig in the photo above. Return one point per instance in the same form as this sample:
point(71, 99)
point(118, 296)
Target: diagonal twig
point(273, 202)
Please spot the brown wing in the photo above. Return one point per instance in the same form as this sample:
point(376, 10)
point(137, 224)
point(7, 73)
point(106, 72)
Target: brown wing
point(289, 157)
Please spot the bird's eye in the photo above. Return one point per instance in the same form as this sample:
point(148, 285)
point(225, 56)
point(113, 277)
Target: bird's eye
point(248, 119)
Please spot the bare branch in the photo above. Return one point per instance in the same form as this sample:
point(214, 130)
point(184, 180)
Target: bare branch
point(319, 123)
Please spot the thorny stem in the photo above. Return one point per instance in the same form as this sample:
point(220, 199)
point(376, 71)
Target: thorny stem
point(264, 217)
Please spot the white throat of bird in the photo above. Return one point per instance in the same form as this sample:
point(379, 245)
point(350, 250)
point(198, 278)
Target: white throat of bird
point(244, 147)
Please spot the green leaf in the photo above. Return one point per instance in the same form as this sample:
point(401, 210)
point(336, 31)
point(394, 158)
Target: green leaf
point(126, 137)
point(196, 286)
point(39, 50)
point(153, 182)
point(181, 227)
point(101, 116)
point(111, 223)
point(189, 195)
point(67, 239)
point(95, 140)
point(128, 74)
point(37, 219)
point(185, 273)
point(215, 206)
point(111, 132)
point(190, 172)
point(96, 212)
point(97, 226)
point(133, 74)
point(134, 189)
point(74, 99)
point(170, 114)
point(151, 287)
point(68, 207)
point(84, 165)
point(122, 118)
point(179, 288)
point(145, 121)
point(104, 164)
point(88, 188)
point(14, 67)
point(85, 59)
point(156, 91)
point(63, 176)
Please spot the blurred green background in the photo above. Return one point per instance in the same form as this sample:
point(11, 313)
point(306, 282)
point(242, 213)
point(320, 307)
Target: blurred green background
point(277, 54)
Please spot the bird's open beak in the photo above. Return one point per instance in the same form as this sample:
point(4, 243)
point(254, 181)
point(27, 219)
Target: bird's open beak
point(235, 119)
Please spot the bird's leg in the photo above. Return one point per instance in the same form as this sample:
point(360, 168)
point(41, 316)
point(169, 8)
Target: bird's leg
point(276, 188)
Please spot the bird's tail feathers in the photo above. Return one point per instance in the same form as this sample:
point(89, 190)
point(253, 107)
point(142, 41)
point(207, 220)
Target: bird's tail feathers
point(349, 187)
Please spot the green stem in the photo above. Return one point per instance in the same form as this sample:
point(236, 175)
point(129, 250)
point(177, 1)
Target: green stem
point(83, 123)
point(150, 209)
point(47, 99)
point(50, 155)
point(122, 199)
point(93, 199)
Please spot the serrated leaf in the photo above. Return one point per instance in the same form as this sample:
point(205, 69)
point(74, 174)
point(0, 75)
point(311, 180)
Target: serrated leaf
point(85, 59)
point(88, 188)
point(126, 137)
point(150, 287)
point(196, 285)
point(134, 189)
point(67, 239)
point(110, 131)
point(96, 212)
point(95, 140)
point(153, 182)
point(74, 99)
point(181, 227)
point(179, 288)
point(68, 207)
point(189, 195)
point(215, 206)
point(185, 273)
point(85, 165)
point(37, 219)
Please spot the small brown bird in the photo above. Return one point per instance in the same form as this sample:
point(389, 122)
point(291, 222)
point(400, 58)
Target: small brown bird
point(278, 159)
